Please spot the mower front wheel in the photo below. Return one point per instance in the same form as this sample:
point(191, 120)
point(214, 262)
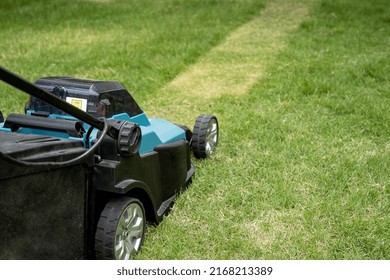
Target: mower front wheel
point(205, 136)
point(121, 229)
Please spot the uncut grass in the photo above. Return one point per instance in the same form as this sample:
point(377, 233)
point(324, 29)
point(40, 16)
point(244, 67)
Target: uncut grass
point(302, 167)
point(142, 44)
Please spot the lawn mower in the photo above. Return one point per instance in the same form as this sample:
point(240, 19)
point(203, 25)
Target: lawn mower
point(84, 169)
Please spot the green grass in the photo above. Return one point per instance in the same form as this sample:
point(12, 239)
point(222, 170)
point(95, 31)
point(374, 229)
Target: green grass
point(302, 169)
point(143, 44)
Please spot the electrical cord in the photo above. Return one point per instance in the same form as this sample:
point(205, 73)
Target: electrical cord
point(90, 129)
point(63, 163)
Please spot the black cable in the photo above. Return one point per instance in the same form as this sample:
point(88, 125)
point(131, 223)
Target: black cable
point(63, 163)
point(90, 129)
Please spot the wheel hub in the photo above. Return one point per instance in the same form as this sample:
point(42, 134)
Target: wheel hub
point(129, 232)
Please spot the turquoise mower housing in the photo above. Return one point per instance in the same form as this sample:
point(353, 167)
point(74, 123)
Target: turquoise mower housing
point(100, 99)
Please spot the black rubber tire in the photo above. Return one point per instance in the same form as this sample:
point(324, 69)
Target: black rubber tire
point(105, 237)
point(200, 143)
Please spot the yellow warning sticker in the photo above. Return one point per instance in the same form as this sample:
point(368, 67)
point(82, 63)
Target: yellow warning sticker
point(78, 102)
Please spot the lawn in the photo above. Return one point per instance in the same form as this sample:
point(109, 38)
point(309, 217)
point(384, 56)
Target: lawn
point(302, 93)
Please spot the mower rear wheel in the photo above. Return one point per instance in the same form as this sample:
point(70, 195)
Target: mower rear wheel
point(121, 229)
point(205, 136)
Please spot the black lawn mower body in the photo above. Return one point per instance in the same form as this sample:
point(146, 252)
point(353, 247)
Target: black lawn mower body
point(84, 169)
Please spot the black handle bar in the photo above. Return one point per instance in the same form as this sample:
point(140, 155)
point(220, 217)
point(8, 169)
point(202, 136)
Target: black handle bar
point(27, 87)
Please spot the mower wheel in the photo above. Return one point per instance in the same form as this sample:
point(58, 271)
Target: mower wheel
point(205, 136)
point(121, 229)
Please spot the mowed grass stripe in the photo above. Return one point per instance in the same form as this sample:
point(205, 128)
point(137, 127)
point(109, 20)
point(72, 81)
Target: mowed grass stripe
point(235, 65)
